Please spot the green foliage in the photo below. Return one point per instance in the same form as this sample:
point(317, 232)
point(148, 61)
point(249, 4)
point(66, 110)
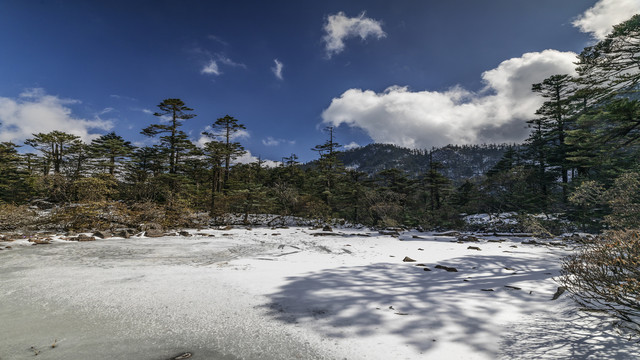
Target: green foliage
point(56, 147)
point(109, 150)
point(15, 217)
point(96, 188)
point(174, 142)
point(624, 200)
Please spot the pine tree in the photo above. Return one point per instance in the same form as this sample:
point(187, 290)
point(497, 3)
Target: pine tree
point(109, 151)
point(55, 146)
point(224, 130)
point(175, 142)
point(553, 124)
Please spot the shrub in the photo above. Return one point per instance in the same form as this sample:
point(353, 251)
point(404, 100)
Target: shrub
point(14, 217)
point(605, 275)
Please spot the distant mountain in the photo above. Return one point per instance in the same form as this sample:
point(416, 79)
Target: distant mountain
point(460, 161)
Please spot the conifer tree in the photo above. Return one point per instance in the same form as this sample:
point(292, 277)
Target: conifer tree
point(225, 130)
point(173, 140)
point(109, 150)
point(55, 147)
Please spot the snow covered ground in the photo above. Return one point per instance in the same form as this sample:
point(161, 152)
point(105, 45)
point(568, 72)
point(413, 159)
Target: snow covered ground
point(293, 294)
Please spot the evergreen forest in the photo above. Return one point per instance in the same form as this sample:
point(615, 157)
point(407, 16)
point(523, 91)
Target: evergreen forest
point(579, 167)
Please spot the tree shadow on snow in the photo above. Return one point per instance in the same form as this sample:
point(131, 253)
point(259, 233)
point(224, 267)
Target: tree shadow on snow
point(573, 334)
point(419, 305)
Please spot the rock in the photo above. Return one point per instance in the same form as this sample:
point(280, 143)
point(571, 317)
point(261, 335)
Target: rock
point(83, 237)
point(512, 287)
point(420, 265)
point(327, 228)
point(420, 249)
point(184, 233)
point(560, 291)
point(123, 234)
point(473, 248)
point(102, 234)
point(42, 204)
point(40, 241)
point(408, 259)
point(467, 238)
point(532, 242)
point(448, 233)
point(446, 268)
point(153, 233)
point(186, 355)
point(486, 289)
point(427, 269)
point(416, 237)
point(150, 226)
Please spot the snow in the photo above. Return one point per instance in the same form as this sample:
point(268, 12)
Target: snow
point(267, 293)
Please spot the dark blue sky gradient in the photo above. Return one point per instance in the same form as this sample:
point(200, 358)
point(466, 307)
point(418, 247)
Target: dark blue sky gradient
point(146, 51)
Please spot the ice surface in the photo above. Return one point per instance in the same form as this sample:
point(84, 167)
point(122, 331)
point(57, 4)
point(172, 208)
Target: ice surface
point(287, 294)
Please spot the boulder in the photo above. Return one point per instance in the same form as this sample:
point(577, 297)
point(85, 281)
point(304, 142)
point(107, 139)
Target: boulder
point(102, 234)
point(327, 228)
point(473, 248)
point(83, 237)
point(408, 259)
point(123, 234)
point(154, 233)
point(560, 291)
point(448, 233)
point(467, 238)
point(446, 268)
point(184, 233)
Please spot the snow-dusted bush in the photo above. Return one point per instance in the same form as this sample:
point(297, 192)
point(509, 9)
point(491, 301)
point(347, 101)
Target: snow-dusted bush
point(14, 217)
point(605, 275)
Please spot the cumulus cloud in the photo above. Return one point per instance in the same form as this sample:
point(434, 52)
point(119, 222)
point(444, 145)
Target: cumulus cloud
point(351, 145)
point(277, 69)
point(203, 139)
point(422, 119)
point(340, 27)
point(211, 68)
point(247, 158)
point(34, 111)
point(599, 19)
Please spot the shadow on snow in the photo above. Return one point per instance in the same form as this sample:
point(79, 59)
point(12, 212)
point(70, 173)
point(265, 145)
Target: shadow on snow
point(423, 306)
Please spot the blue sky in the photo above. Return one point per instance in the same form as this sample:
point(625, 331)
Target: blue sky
point(416, 73)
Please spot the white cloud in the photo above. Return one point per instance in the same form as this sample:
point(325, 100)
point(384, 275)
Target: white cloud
point(351, 145)
point(203, 139)
point(599, 19)
point(340, 27)
point(36, 112)
point(215, 60)
point(270, 141)
point(211, 68)
point(457, 116)
point(277, 69)
point(247, 158)
point(227, 61)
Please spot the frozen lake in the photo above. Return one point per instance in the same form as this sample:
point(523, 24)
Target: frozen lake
point(287, 294)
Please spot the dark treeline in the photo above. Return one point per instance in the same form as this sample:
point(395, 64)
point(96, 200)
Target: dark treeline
point(581, 161)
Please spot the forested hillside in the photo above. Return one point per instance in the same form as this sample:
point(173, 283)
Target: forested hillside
point(460, 162)
point(579, 163)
